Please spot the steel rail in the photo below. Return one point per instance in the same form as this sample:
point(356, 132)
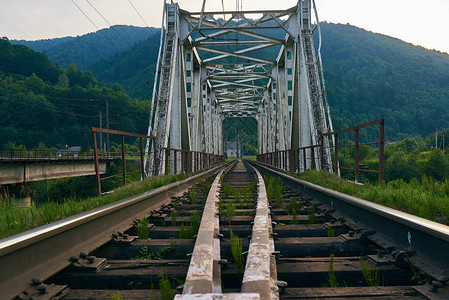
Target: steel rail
point(44, 251)
point(387, 227)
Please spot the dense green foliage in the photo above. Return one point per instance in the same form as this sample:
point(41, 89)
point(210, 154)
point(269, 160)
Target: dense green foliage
point(371, 76)
point(14, 219)
point(41, 103)
point(88, 49)
point(132, 69)
point(428, 199)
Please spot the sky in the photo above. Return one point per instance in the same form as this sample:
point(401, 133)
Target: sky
point(424, 23)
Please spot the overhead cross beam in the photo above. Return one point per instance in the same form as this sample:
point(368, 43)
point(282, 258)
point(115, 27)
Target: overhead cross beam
point(229, 64)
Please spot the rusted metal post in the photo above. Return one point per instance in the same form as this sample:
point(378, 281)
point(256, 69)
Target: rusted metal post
point(381, 151)
point(312, 154)
point(142, 170)
point(97, 166)
point(304, 158)
point(356, 154)
point(175, 162)
point(322, 152)
point(336, 154)
point(167, 153)
point(123, 160)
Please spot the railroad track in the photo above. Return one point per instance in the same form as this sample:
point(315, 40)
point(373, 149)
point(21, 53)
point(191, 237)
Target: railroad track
point(234, 236)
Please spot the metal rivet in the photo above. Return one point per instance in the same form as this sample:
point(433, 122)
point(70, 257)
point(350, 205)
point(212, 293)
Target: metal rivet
point(282, 285)
point(90, 259)
point(83, 255)
point(36, 281)
point(42, 288)
point(73, 259)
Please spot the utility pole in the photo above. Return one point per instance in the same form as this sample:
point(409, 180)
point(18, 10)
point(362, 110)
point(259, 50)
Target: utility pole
point(436, 139)
point(444, 135)
point(108, 145)
point(101, 135)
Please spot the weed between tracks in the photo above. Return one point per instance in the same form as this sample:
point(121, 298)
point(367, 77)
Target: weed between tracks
point(167, 293)
point(145, 254)
point(332, 279)
point(275, 190)
point(143, 231)
point(370, 274)
point(14, 220)
point(237, 253)
point(188, 232)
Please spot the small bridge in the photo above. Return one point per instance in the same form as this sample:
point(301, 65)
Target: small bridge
point(26, 166)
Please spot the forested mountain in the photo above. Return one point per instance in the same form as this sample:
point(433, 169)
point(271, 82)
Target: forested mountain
point(371, 76)
point(368, 76)
point(132, 69)
point(42, 103)
point(88, 49)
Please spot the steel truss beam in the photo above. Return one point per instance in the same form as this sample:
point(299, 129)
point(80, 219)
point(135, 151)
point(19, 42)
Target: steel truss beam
point(215, 65)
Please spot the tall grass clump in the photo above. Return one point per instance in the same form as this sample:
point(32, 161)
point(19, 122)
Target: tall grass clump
point(230, 211)
point(193, 195)
point(173, 217)
point(370, 274)
point(117, 296)
point(227, 190)
point(167, 293)
point(143, 231)
point(275, 190)
point(187, 232)
point(428, 199)
point(331, 278)
point(237, 253)
point(293, 209)
point(14, 220)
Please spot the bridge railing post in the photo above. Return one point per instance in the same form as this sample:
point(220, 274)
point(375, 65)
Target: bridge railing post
point(336, 154)
point(97, 167)
point(356, 155)
point(381, 151)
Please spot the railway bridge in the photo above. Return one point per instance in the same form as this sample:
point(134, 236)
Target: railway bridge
point(239, 64)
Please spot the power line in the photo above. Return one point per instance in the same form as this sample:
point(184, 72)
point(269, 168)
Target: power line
point(139, 13)
point(99, 30)
point(126, 41)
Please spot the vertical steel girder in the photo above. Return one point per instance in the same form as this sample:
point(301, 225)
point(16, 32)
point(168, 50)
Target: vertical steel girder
point(211, 68)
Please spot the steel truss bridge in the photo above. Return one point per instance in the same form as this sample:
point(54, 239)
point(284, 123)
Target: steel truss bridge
point(244, 64)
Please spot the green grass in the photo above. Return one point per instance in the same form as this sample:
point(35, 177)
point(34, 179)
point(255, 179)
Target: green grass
point(187, 232)
point(237, 253)
point(117, 296)
point(167, 293)
point(143, 231)
point(428, 199)
point(330, 232)
point(145, 254)
point(370, 274)
point(332, 279)
point(173, 217)
point(275, 190)
point(230, 212)
point(227, 189)
point(14, 220)
point(293, 208)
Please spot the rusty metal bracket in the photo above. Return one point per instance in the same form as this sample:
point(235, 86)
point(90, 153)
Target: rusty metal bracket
point(382, 259)
point(124, 238)
point(87, 262)
point(42, 291)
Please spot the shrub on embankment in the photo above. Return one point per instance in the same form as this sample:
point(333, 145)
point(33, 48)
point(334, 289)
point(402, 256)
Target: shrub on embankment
point(428, 199)
point(14, 219)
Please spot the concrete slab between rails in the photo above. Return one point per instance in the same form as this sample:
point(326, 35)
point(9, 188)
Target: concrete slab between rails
point(201, 277)
point(260, 274)
point(242, 296)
